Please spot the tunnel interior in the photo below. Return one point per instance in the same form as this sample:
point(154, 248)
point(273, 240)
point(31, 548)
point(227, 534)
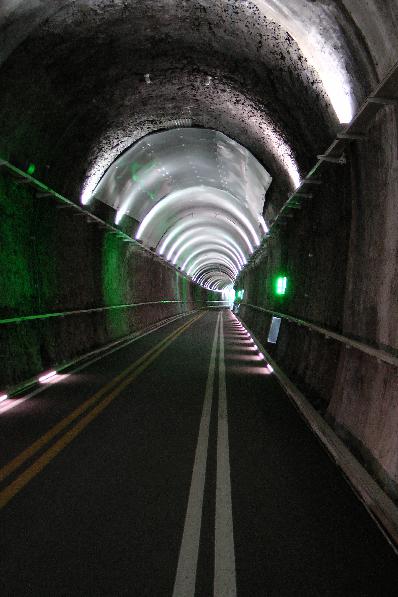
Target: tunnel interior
point(157, 155)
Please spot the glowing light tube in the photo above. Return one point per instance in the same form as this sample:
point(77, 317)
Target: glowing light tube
point(219, 201)
point(221, 275)
point(187, 229)
point(215, 268)
point(47, 376)
point(203, 240)
point(211, 257)
point(196, 220)
point(213, 278)
point(214, 248)
point(211, 260)
point(229, 250)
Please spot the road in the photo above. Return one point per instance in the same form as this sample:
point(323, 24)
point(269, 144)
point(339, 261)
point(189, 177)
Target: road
point(177, 466)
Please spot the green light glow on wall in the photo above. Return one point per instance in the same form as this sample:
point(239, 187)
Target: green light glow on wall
point(239, 294)
point(31, 169)
point(281, 285)
point(113, 285)
point(137, 170)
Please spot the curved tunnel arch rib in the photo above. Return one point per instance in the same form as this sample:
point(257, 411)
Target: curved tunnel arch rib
point(159, 223)
point(204, 243)
point(207, 270)
point(197, 241)
point(210, 220)
point(220, 225)
point(201, 234)
point(218, 279)
point(205, 248)
point(212, 258)
point(168, 161)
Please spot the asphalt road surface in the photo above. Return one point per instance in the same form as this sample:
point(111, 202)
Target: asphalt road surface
point(177, 466)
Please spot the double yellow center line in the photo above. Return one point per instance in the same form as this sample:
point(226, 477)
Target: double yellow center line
point(97, 403)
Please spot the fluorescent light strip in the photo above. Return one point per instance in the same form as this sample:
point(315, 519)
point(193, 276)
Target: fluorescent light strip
point(167, 202)
point(205, 262)
point(47, 376)
point(194, 220)
point(211, 234)
point(214, 249)
point(206, 241)
point(211, 258)
point(215, 268)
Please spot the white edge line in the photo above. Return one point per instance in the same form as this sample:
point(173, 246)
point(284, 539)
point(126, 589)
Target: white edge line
point(378, 504)
point(224, 552)
point(185, 580)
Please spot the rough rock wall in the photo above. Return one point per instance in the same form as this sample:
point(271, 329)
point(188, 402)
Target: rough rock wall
point(350, 285)
point(81, 97)
point(311, 251)
point(52, 260)
point(364, 406)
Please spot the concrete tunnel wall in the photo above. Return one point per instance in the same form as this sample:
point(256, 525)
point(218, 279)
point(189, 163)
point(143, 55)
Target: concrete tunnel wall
point(340, 256)
point(52, 260)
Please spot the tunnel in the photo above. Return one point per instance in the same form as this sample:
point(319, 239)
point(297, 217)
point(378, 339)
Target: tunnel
point(199, 298)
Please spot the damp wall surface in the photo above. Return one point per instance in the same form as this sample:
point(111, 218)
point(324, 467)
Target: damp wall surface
point(364, 403)
point(340, 254)
point(53, 260)
point(310, 249)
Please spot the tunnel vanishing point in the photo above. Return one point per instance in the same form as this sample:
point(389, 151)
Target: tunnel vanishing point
point(199, 298)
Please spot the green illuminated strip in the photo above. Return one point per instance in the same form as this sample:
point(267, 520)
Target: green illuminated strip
point(96, 309)
point(281, 284)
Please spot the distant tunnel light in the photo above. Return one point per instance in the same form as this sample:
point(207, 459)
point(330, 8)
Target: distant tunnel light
point(281, 285)
point(47, 376)
point(274, 330)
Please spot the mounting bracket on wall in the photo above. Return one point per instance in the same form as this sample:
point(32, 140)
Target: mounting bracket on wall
point(328, 158)
point(383, 100)
point(352, 136)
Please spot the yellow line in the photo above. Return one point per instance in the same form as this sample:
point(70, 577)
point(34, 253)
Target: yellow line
point(34, 469)
point(40, 443)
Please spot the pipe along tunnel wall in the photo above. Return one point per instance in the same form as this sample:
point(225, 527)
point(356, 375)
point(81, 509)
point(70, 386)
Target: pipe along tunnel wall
point(53, 260)
point(339, 253)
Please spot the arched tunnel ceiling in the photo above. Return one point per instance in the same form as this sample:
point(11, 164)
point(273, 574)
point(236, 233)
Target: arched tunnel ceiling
point(197, 195)
point(85, 79)
point(82, 97)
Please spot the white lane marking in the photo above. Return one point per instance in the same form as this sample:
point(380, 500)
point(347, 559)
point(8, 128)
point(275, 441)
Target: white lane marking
point(185, 580)
point(224, 557)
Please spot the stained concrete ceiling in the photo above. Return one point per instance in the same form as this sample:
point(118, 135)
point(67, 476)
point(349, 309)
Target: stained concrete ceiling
point(84, 79)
